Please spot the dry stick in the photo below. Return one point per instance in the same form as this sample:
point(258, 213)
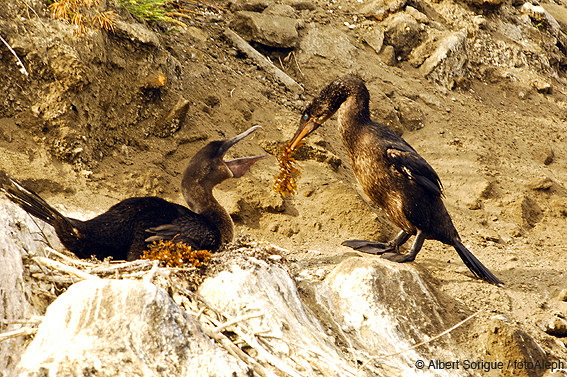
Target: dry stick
point(421, 343)
point(297, 63)
point(198, 297)
point(63, 268)
point(261, 351)
point(68, 259)
point(281, 63)
point(226, 324)
point(261, 60)
point(123, 267)
point(19, 62)
point(279, 364)
point(177, 22)
point(228, 345)
point(321, 355)
point(33, 10)
point(57, 279)
point(252, 342)
point(25, 331)
point(222, 339)
point(200, 312)
point(34, 320)
point(43, 235)
point(150, 275)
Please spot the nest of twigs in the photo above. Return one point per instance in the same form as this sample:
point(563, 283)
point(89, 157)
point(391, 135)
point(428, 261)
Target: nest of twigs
point(58, 270)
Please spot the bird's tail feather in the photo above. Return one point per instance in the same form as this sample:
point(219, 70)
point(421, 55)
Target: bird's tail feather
point(475, 265)
point(30, 202)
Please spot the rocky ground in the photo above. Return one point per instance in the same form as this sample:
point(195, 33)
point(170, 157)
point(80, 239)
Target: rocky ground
point(478, 88)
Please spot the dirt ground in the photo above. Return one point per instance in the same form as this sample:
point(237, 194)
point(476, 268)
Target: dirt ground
point(86, 130)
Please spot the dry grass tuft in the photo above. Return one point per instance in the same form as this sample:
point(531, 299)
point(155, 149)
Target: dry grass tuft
point(82, 14)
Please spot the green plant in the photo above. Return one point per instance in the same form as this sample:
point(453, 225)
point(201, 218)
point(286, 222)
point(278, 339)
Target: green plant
point(151, 10)
point(84, 13)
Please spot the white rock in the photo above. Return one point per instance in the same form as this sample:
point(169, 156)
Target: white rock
point(293, 334)
point(123, 328)
point(18, 237)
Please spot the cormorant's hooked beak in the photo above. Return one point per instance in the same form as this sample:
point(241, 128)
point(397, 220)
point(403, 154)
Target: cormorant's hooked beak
point(239, 166)
point(305, 128)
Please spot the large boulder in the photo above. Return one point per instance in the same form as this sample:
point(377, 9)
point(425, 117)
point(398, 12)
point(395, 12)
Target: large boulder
point(18, 303)
point(268, 29)
point(448, 60)
point(403, 33)
point(365, 307)
point(329, 43)
point(123, 327)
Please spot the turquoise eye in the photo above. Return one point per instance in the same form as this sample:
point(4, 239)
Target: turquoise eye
point(305, 117)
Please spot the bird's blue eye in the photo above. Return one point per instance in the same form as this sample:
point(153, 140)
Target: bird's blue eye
point(305, 117)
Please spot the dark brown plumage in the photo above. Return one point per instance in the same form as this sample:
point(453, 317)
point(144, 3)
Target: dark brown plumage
point(124, 230)
point(390, 172)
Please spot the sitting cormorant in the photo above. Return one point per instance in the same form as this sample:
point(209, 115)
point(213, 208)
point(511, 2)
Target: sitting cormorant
point(390, 172)
point(122, 231)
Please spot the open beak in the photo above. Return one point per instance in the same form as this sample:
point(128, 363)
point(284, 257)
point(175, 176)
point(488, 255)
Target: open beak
point(305, 128)
point(230, 142)
point(239, 166)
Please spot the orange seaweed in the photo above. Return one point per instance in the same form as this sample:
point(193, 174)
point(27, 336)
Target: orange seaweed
point(285, 183)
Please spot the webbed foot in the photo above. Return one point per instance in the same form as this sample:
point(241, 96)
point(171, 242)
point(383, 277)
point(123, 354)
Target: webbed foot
point(370, 247)
point(397, 257)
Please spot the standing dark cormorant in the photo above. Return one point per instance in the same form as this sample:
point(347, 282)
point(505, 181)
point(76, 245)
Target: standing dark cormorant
point(122, 231)
point(390, 172)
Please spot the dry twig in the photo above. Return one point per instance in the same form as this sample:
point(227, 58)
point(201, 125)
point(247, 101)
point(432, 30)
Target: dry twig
point(57, 279)
point(222, 327)
point(34, 12)
point(75, 261)
point(24, 331)
point(34, 320)
point(262, 61)
point(150, 275)
point(19, 62)
point(139, 264)
point(228, 345)
point(297, 63)
point(252, 342)
point(63, 268)
point(421, 343)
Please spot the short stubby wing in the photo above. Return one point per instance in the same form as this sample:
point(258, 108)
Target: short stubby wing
point(189, 228)
point(410, 164)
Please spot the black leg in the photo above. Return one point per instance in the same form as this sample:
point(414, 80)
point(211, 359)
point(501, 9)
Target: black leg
point(375, 248)
point(412, 252)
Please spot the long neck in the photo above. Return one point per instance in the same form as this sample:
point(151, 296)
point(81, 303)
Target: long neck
point(352, 114)
point(219, 217)
point(354, 108)
point(201, 201)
